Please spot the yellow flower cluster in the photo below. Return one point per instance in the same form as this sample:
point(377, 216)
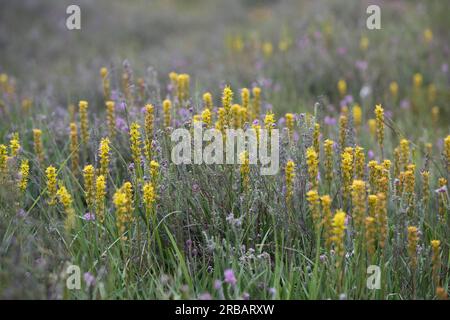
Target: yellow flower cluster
point(100, 193)
point(312, 161)
point(24, 171)
point(103, 153)
point(111, 118)
point(123, 202)
point(74, 146)
point(290, 176)
point(51, 184)
point(245, 170)
point(89, 185)
point(38, 149)
point(84, 122)
point(135, 143)
point(167, 106)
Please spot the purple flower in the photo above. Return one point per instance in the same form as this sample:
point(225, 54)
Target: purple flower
point(89, 216)
point(341, 51)
point(323, 257)
point(246, 296)
point(89, 279)
point(217, 284)
point(404, 104)
point(273, 292)
point(370, 154)
point(205, 296)
point(329, 121)
point(121, 124)
point(21, 213)
point(444, 68)
point(229, 277)
point(361, 65)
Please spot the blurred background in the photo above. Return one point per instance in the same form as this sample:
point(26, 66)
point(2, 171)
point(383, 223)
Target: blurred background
point(295, 50)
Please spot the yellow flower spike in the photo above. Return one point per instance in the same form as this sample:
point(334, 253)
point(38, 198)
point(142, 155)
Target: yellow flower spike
point(342, 87)
point(372, 125)
point(89, 185)
point(327, 217)
point(372, 205)
point(267, 49)
point(442, 199)
point(436, 261)
point(257, 128)
point(256, 102)
point(404, 153)
point(384, 176)
point(245, 170)
point(154, 171)
point(435, 115)
point(149, 197)
point(103, 153)
point(236, 116)
point(359, 203)
point(290, 176)
point(379, 117)
point(382, 219)
point(106, 85)
point(167, 106)
point(428, 35)
point(245, 98)
point(183, 85)
point(337, 238)
point(360, 162)
point(425, 187)
point(103, 72)
point(243, 113)
point(111, 118)
point(393, 88)
point(38, 149)
point(227, 100)
point(269, 121)
point(343, 121)
point(100, 193)
point(66, 200)
point(206, 118)
point(347, 172)
point(373, 175)
point(370, 225)
point(432, 93)
point(316, 138)
point(447, 152)
point(413, 240)
point(135, 144)
point(123, 203)
point(207, 101)
point(290, 124)
point(364, 43)
point(149, 127)
point(14, 145)
point(3, 160)
point(27, 104)
point(312, 161)
point(24, 172)
point(74, 147)
point(328, 149)
point(84, 122)
point(314, 207)
point(417, 80)
point(51, 184)
point(357, 116)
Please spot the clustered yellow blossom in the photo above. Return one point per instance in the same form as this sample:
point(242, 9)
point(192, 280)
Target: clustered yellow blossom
point(135, 143)
point(111, 118)
point(245, 170)
point(123, 202)
point(149, 127)
point(312, 160)
point(24, 171)
point(413, 239)
point(74, 146)
point(103, 153)
point(14, 145)
point(89, 185)
point(51, 184)
point(38, 149)
point(337, 237)
point(66, 200)
point(100, 193)
point(84, 122)
point(290, 176)
point(256, 102)
point(167, 106)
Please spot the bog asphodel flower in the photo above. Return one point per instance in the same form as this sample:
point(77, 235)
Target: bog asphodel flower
point(89, 184)
point(425, 187)
point(379, 117)
point(3, 160)
point(149, 197)
point(342, 87)
point(74, 146)
point(206, 117)
point(343, 120)
point(111, 118)
point(236, 116)
point(100, 193)
point(360, 162)
point(66, 200)
point(38, 149)
point(404, 153)
point(417, 80)
point(372, 205)
point(290, 124)
point(290, 176)
point(316, 138)
point(314, 207)
point(370, 235)
point(167, 106)
point(207, 101)
point(149, 127)
point(357, 116)
point(14, 145)
point(135, 143)
point(347, 171)
point(393, 88)
point(245, 98)
point(123, 202)
point(312, 160)
point(269, 121)
point(84, 122)
point(256, 102)
point(245, 170)
point(428, 35)
point(328, 149)
point(436, 260)
point(338, 233)
point(327, 217)
point(372, 125)
point(24, 172)
point(413, 239)
point(103, 153)
point(106, 85)
point(154, 171)
point(51, 184)
point(183, 85)
point(447, 152)
point(359, 203)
